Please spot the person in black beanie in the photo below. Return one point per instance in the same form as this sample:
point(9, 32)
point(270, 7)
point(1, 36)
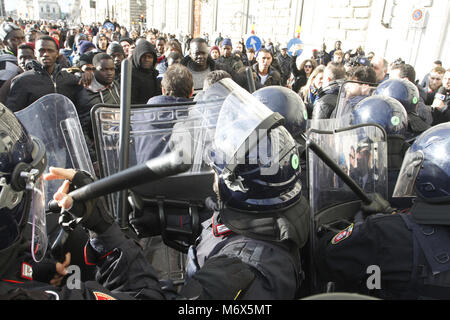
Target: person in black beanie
point(116, 51)
point(144, 83)
point(126, 43)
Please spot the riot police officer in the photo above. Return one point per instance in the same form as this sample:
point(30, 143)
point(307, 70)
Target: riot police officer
point(249, 248)
point(261, 218)
point(403, 255)
point(408, 95)
point(23, 239)
point(289, 104)
point(391, 115)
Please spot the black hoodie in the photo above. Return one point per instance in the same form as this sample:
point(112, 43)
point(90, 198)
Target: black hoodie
point(144, 84)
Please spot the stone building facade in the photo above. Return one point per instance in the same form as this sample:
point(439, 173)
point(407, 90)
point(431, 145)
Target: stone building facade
point(386, 27)
point(127, 13)
point(38, 10)
point(416, 31)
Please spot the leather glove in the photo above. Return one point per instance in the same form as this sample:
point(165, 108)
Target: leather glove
point(94, 213)
point(147, 224)
point(378, 205)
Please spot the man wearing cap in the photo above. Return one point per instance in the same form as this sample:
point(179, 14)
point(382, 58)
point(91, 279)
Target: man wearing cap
point(361, 170)
point(102, 42)
point(31, 35)
point(214, 52)
point(85, 46)
point(126, 44)
point(116, 51)
point(285, 65)
point(11, 36)
point(227, 61)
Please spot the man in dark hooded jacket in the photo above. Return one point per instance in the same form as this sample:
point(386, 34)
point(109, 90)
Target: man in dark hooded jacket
point(102, 42)
point(144, 83)
point(227, 61)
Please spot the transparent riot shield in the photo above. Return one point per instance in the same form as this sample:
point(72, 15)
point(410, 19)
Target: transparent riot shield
point(361, 152)
point(350, 94)
point(54, 120)
point(154, 131)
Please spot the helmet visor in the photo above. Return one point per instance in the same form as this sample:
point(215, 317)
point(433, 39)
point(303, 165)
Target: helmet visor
point(240, 118)
point(37, 219)
point(411, 166)
point(350, 94)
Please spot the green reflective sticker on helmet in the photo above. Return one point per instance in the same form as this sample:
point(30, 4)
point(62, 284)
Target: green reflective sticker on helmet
point(395, 120)
point(415, 100)
point(295, 162)
point(305, 114)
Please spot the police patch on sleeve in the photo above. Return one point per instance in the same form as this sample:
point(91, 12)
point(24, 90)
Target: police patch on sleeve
point(344, 234)
point(102, 296)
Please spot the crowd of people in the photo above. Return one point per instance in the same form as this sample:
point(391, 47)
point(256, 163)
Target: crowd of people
point(314, 78)
point(236, 253)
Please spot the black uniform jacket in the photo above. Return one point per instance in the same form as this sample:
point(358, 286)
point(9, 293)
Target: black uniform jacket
point(407, 252)
point(34, 84)
point(123, 273)
point(382, 240)
point(259, 259)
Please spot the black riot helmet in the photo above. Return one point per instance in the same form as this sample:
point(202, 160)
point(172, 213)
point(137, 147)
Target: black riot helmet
point(287, 103)
point(22, 200)
point(425, 172)
point(255, 158)
point(384, 111)
point(402, 90)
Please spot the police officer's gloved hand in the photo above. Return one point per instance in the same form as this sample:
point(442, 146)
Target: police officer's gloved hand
point(147, 223)
point(378, 205)
point(94, 214)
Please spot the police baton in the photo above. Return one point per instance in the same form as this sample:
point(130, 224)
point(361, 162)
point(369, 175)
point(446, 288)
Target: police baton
point(250, 80)
point(338, 170)
point(124, 139)
point(155, 169)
